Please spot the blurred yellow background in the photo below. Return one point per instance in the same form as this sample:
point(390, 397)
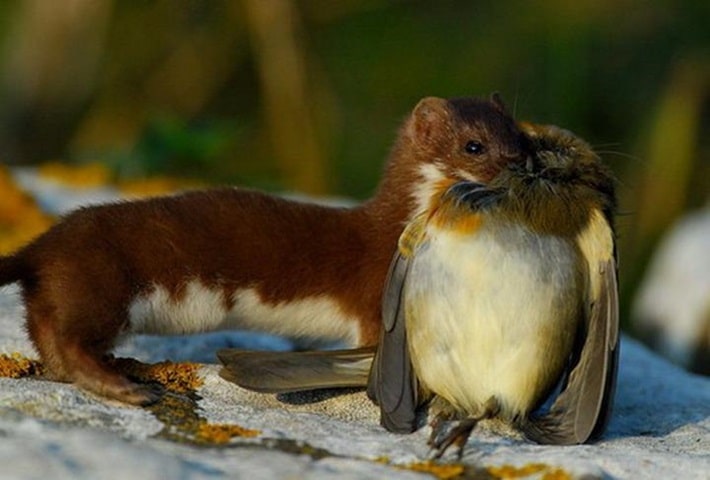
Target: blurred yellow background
point(306, 95)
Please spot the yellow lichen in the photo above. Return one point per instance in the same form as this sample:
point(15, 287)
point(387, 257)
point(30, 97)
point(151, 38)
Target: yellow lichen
point(546, 472)
point(220, 434)
point(17, 365)
point(440, 471)
point(556, 474)
point(176, 377)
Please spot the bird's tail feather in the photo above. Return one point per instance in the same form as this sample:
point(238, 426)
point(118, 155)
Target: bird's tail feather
point(283, 372)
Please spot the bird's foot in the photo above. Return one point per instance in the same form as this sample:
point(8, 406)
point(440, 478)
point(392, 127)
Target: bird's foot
point(446, 431)
point(444, 434)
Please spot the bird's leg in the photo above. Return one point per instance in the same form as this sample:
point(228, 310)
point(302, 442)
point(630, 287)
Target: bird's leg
point(457, 435)
point(442, 438)
point(442, 434)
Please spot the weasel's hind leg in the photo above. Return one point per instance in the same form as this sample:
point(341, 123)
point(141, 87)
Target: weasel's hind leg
point(92, 372)
point(44, 336)
point(74, 351)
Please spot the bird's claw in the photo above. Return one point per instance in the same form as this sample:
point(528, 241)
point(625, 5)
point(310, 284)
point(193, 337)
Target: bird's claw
point(444, 436)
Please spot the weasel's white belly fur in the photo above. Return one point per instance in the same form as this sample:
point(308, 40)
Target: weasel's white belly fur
point(202, 309)
point(485, 311)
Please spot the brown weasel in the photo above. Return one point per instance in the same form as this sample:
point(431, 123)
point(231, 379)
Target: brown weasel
point(233, 258)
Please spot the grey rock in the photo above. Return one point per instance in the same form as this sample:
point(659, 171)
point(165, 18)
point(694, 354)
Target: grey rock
point(660, 427)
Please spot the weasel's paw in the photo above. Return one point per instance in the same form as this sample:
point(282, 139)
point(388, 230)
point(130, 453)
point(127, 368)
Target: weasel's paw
point(118, 387)
point(145, 394)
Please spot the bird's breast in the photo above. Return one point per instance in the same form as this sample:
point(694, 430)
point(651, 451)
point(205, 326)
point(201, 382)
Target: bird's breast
point(492, 312)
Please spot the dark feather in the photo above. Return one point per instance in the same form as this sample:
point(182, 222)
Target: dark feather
point(582, 409)
point(392, 384)
point(283, 372)
point(475, 195)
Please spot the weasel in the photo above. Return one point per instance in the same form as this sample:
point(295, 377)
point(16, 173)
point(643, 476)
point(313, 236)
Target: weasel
point(236, 258)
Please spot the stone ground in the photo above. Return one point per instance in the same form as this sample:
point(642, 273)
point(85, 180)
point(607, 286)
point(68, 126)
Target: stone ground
point(660, 427)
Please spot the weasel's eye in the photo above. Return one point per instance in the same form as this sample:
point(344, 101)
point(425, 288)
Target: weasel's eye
point(475, 148)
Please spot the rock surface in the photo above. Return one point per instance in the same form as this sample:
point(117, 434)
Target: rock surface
point(660, 427)
point(672, 307)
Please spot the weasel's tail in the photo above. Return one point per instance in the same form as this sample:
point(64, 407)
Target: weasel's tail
point(10, 269)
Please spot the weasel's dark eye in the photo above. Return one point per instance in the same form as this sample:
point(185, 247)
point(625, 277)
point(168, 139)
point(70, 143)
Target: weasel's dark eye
point(475, 148)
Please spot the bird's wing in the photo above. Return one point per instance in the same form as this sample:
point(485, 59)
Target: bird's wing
point(392, 384)
point(282, 372)
point(582, 409)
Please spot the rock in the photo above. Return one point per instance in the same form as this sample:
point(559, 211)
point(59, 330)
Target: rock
point(660, 428)
point(672, 308)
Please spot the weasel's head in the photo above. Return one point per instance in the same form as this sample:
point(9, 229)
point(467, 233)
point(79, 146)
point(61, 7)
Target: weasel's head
point(447, 141)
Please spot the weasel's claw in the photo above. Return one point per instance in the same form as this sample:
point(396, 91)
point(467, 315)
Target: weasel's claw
point(151, 393)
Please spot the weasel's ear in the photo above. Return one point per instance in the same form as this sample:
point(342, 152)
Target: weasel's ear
point(429, 121)
point(497, 100)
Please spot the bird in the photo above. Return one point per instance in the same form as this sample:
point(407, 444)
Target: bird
point(501, 301)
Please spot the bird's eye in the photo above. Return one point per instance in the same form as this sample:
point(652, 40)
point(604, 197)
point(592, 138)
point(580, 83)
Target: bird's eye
point(475, 148)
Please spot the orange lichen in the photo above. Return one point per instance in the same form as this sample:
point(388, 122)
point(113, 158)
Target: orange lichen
point(452, 471)
point(220, 434)
point(556, 474)
point(176, 377)
point(17, 365)
point(547, 472)
point(20, 218)
point(441, 471)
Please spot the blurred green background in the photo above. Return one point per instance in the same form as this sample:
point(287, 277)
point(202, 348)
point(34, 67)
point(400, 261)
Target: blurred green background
point(306, 95)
